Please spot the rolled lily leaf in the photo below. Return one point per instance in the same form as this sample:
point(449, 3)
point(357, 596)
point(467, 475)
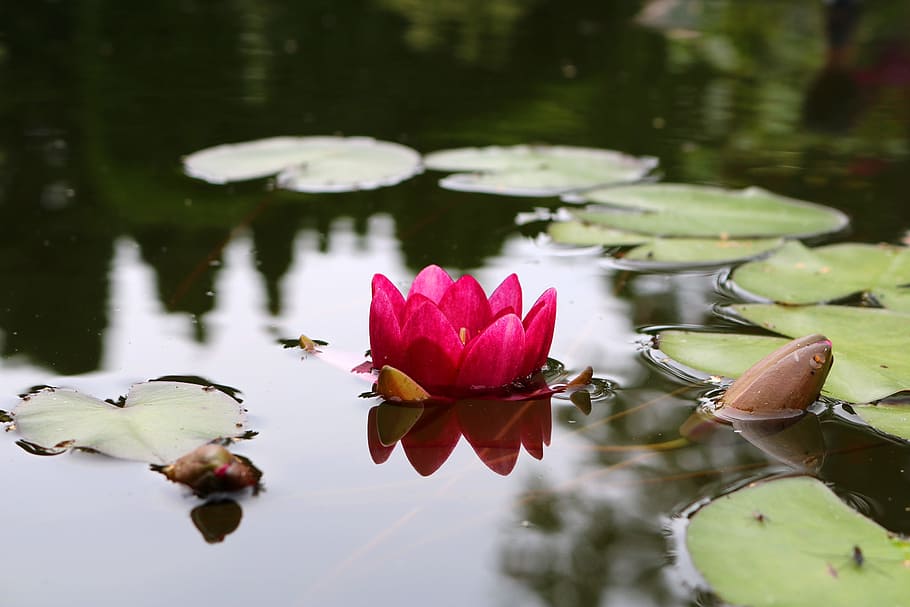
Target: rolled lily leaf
point(535, 170)
point(796, 274)
point(788, 379)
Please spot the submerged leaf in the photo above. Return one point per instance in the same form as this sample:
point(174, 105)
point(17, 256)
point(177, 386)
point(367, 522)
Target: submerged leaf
point(791, 541)
point(535, 170)
point(308, 164)
point(159, 421)
point(796, 274)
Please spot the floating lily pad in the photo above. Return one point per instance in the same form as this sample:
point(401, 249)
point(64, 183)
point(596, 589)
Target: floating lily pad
point(308, 164)
point(535, 170)
point(890, 419)
point(796, 274)
point(792, 541)
point(158, 421)
point(700, 250)
point(871, 346)
point(706, 212)
point(659, 250)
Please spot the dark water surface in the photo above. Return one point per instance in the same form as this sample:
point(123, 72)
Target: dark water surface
point(116, 268)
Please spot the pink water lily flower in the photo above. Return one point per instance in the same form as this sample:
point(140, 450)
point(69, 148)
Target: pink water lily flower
point(452, 340)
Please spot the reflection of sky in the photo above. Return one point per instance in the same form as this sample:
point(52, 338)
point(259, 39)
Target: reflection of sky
point(331, 528)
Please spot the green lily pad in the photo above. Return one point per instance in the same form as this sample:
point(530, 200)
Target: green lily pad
point(890, 419)
point(158, 421)
point(653, 249)
point(700, 250)
point(706, 212)
point(308, 164)
point(871, 346)
point(792, 541)
point(535, 170)
point(796, 274)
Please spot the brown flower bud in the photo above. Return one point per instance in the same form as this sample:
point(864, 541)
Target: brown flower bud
point(784, 382)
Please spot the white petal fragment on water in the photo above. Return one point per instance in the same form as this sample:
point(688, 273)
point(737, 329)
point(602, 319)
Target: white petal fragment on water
point(308, 164)
point(535, 170)
point(159, 422)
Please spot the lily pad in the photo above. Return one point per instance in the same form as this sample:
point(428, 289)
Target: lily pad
point(659, 250)
point(796, 274)
point(158, 421)
point(871, 346)
point(890, 419)
point(308, 164)
point(535, 170)
point(706, 212)
point(792, 541)
point(700, 250)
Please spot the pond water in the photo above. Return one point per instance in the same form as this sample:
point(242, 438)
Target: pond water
point(117, 268)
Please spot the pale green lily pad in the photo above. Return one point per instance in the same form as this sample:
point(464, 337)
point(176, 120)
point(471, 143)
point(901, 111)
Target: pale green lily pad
point(701, 250)
point(158, 422)
point(535, 170)
point(871, 346)
point(308, 164)
point(890, 419)
point(792, 541)
point(661, 250)
point(706, 212)
point(796, 274)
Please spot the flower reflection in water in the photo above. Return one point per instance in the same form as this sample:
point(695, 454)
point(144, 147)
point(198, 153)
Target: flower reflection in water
point(428, 432)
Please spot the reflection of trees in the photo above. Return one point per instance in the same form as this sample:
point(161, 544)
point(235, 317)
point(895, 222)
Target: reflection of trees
point(56, 242)
point(482, 29)
point(593, 540)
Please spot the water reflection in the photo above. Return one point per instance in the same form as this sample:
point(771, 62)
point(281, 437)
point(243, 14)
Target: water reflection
point(216, 519)
point(428, 433)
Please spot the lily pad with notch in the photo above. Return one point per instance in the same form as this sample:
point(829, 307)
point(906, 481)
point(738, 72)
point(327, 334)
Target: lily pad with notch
point(535, 170)
point(796, 274)
point(792, 541)
point(308, 164)
point(158, 421)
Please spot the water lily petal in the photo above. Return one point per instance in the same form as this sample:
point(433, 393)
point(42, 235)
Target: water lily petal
point(431, 282)
point(385, 331)
point(506, 297)
point(465, 305)
point(431, 345)
point(539, 325)
point(493, 358)
point(383, 284)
